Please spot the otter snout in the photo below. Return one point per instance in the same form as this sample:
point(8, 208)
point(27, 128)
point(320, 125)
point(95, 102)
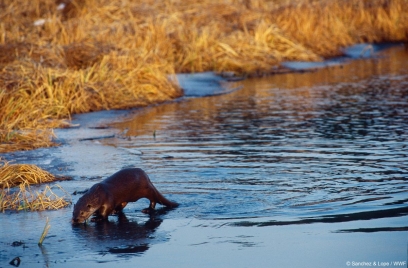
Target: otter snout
point(78, 216)
point(77, 221)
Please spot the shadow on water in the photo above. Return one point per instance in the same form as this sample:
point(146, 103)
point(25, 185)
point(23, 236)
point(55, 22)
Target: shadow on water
point(121, 237)
point(359, 216)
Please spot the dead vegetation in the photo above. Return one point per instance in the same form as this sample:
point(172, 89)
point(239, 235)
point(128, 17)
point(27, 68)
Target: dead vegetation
point(17, 194)
point(58, 58)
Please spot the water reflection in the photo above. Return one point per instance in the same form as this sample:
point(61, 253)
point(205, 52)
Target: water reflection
point(122, 237)
point(317, 144)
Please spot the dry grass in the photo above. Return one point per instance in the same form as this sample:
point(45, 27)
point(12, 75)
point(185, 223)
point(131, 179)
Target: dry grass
point(30, 200)
point(22, 196)
point(45, 232)
point(93, 55)
point(326, 26)
point(12, 175)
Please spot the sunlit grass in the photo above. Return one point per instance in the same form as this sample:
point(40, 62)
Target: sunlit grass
point(57, 60)
point(17, 194)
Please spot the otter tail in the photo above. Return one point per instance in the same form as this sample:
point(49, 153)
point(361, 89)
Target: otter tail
point(164, 201)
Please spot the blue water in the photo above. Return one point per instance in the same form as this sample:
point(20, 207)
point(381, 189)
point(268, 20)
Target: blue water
point(329, 144)
point(294, 170)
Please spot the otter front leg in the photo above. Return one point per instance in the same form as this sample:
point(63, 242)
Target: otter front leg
point(96, 217)
point(118, 209)
point(150, 209)
point(103, 213)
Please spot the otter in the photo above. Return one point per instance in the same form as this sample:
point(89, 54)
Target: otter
point(112, 194)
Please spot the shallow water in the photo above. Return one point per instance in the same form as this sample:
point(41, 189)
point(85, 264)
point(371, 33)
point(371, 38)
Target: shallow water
point(304, 169)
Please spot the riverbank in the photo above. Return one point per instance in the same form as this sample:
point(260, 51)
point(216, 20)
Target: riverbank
point(59, 58)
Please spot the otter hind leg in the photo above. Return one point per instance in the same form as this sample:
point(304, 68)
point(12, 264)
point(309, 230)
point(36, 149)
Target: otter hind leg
point(150, 209)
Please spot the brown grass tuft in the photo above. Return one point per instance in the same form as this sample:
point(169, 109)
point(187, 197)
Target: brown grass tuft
point(27, 199)
point(83, 55)
point(12, 175)
point(24, 198)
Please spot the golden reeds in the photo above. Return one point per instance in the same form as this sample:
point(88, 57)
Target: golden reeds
point(62, 57)
point(12, 175)
point(22, 196)
point(27, 199)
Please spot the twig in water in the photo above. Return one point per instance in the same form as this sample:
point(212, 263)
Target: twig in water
point(44, 233)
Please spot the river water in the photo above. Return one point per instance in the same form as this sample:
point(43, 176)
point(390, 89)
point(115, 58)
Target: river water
point(300, 169)
point(312, 145)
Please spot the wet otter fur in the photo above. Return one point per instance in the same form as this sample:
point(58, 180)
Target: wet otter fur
point(112, 195)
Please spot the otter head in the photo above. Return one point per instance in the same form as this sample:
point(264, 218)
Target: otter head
point(87, 205)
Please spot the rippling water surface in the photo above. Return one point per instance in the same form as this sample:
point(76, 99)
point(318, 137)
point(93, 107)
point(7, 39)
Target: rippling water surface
point(322, 146)
point(294, 170)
